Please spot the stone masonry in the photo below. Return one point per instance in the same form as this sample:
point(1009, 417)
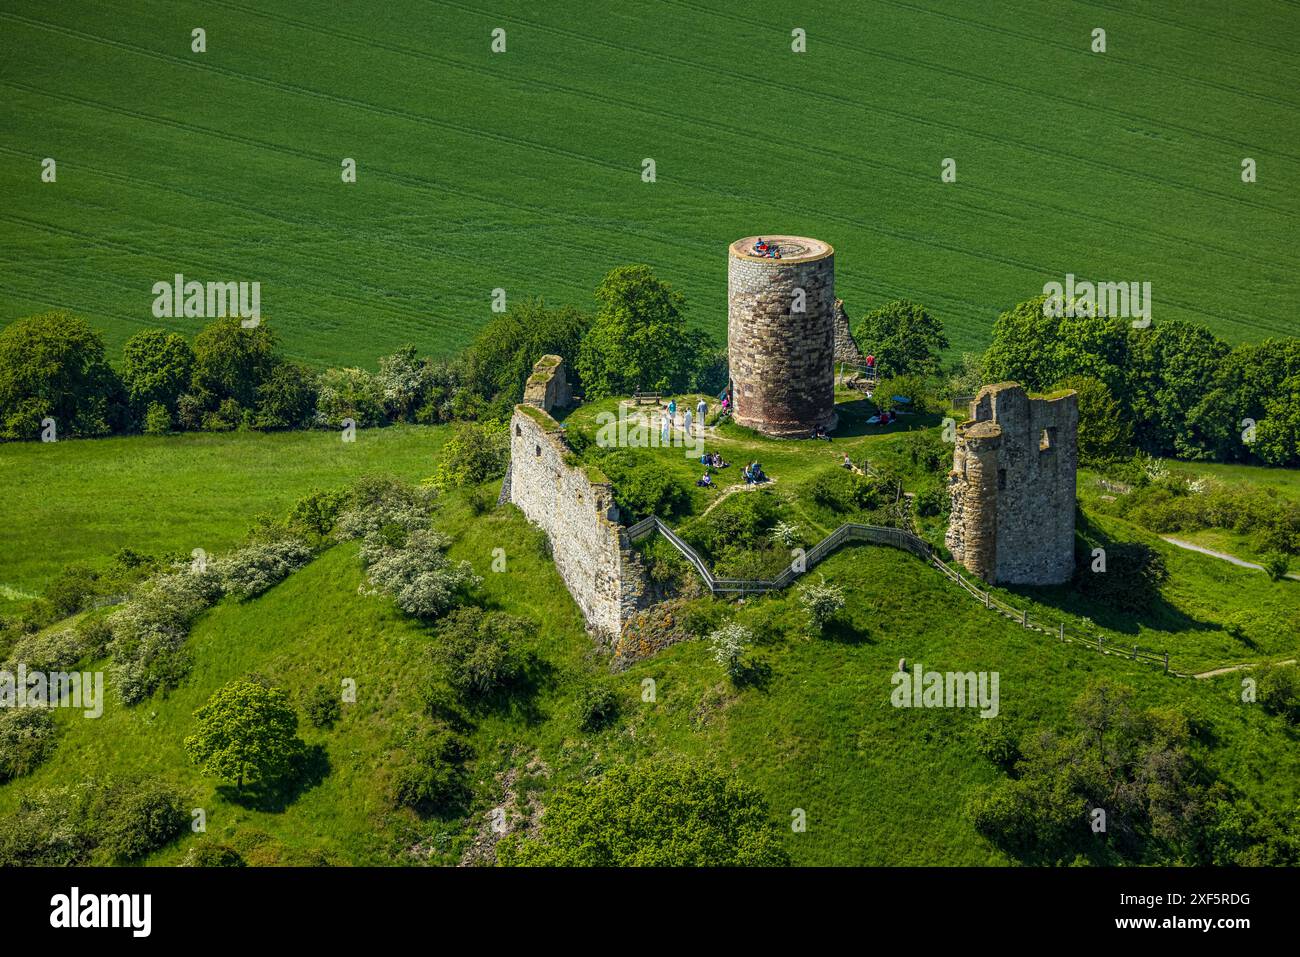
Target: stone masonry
point(846, 347)
point(548, 386)
point(781, 336)
point(574, 505)
point(1013, 487)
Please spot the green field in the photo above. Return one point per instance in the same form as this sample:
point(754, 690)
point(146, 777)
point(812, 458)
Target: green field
point(84, 500)
point(522, 170)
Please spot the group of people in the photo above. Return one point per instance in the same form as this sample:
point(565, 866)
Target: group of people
point(884, 418)
point(821, 433)
point(711, 461)
point(764, 248)
point(754, 474)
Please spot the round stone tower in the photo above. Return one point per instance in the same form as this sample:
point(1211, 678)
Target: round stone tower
point(781, 335)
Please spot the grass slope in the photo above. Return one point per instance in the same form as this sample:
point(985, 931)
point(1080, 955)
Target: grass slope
point(879, 785)
point(522, 170)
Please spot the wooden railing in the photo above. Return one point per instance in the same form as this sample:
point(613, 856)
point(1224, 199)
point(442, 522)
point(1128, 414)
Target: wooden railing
point(852, 532)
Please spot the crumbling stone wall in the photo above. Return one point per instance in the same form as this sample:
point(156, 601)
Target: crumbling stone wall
point(574, 505)
point(782, 360)
point(1013, 487)
point(846, 347)
point(547, 387)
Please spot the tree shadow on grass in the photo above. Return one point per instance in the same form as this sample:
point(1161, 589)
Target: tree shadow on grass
point(274, 797)
point(854, 413)
point(845, 633)
point(753, 674)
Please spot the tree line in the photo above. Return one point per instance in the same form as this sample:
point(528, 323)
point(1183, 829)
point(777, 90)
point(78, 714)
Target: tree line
point(1171, 388)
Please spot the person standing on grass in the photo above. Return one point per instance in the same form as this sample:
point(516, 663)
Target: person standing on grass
point(701, 410)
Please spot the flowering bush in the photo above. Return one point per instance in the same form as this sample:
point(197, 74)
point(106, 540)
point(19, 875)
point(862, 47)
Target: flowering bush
point(252, 570)
point(822, 600)
point(728, 645)
point(149, 630)
point(416, 572)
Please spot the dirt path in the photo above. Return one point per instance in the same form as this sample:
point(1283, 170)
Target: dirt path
point(1240, 562)
point(1232, 668)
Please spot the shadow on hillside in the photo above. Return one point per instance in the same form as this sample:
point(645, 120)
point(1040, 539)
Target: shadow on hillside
point(853, 416)
point(274, 797)
point(844, 633)
point(1126, 597)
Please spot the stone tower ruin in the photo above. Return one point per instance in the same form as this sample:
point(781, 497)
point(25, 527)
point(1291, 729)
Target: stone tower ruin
point(1013, 487)
point(781, 335)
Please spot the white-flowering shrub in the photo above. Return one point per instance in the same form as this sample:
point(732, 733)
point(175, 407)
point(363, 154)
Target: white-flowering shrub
point(150, 630)
point(27, 737)
point(378, 503)
point(252, 570)
point(48, 651)
point(822, 600)
point(416, 572)
point(728, 644)
point(785, 534)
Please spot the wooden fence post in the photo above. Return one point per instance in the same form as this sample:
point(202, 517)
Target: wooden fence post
point(1166, 662)
point(1135, 652)
point(1062, 632)
point(988, 599)
point(1100, 639)
point(1024, 619)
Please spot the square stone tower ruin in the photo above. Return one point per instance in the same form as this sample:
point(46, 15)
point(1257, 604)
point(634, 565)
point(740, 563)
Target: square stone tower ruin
point(1013, 487)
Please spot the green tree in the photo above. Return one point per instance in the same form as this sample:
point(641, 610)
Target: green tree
point(349, 394)
point(157, 420)
point(1105, 432)
point(474, 454)
point(1277, 439)
point(904, 338)
point(286, 399)
point(52, 365)
point(156, 368)
point(503, 354)
point(639, 338)
point(232, 362)
point(246, 731)
point(652, 814)
point(1171, 364)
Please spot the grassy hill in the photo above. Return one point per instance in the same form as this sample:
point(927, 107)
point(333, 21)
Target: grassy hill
point(522, 170)
point(879, 785)
point(814, 730)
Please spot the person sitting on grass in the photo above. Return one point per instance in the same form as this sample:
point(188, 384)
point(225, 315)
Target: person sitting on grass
point(706, 481)
point(719, 462)
point(848, 462)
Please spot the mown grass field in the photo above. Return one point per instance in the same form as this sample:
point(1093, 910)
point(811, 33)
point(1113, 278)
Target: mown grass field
point(522, 170)
point(84, 500)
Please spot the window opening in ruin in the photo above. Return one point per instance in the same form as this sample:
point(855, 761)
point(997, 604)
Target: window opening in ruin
point(518, 430)
point(1002, 478)
point(537, 449)
point(1047, 441)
